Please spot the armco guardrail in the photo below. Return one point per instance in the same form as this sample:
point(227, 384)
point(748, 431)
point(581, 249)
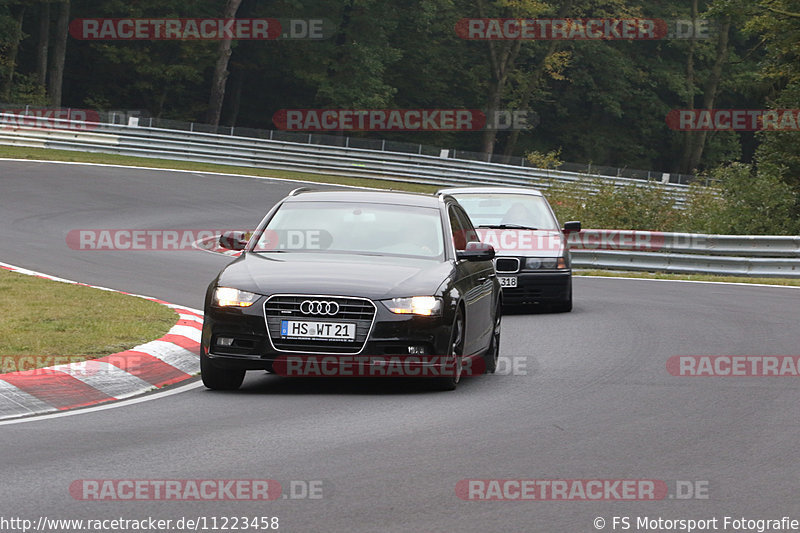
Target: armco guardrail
point(768, 256)
point(739, 255)
point(141, 117)
point(278, 155)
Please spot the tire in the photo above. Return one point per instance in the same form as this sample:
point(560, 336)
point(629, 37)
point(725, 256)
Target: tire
point(216, 378)
point(565, 306)
point(493, 352)
point(456, 350)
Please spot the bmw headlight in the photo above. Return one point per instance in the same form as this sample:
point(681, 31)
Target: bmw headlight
point(229, 297)
point(416, 305)
point(533, 263)
point(549, 262)
point(546, 263)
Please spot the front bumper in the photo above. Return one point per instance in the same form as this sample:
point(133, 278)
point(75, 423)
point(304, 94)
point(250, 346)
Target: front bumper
point(391, 335)
point(538, 287)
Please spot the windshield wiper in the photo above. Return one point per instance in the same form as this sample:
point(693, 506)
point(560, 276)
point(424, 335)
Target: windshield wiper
point(506, 226)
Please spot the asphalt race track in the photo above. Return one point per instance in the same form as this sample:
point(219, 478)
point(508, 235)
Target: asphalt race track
point(593, 401)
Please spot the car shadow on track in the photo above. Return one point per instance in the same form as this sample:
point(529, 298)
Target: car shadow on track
point(532, 310)
point(271, 384)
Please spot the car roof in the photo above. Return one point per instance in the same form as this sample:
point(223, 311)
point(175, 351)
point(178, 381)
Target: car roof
point(490, 190)
point(365, 196)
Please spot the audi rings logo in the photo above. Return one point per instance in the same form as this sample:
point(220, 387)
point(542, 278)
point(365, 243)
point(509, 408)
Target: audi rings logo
point(319, 307)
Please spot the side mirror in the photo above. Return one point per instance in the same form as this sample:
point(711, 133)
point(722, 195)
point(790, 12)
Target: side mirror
point(476, 251)
point(233, 240)
point(572, 227)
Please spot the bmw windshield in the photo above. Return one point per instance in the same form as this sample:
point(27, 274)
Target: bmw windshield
point(515, 211)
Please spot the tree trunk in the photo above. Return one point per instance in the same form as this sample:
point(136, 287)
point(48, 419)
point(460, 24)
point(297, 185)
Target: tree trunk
point(236, 99)
point(501, 61)
point(221, 69)
point(59, 54)
point(493, 103)
point(43, 44)
point(12, 54)
point(535, 78)
point(710, 93)
point(688, 137)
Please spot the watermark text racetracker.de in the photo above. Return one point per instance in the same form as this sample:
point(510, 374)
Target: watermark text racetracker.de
point(134, 239)
point(404, 119)
point(583, 29)
point(50, 118)
point(734, 119)
point(80, 365)
point(588, 490)
point(208, 29)
point(197, 490)
point(729, 366)
point(392, 366)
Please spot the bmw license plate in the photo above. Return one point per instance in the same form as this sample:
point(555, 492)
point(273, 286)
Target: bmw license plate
point(302, 329)
point(507, 281)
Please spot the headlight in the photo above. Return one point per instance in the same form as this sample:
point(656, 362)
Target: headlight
point(533, 263)
point(228, 297)
point(550, 262)
point(536, 263)
point(417, 305)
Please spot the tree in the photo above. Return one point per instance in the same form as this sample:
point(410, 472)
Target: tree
point(502, 56)
point(777, 24)
point(56, 75)
point(696, 141)
point(43, 43)
point(221, 69)
point(15, 36)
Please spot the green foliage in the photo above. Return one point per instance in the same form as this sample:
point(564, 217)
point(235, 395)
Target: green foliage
point(645, 206)
point(28, 91)
point(740, 202)
point(705, 211)
point(754, 202)
point(548, 160)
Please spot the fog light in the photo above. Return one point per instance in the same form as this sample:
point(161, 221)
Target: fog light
point(224, 341)
point(416, 350)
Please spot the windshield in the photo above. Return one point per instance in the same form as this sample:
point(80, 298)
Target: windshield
point(354, 228)
point(501, 209)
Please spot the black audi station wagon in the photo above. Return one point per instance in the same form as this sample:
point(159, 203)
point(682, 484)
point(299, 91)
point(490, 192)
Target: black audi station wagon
point(353, 275)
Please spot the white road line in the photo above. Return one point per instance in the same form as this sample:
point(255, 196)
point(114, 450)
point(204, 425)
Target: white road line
point(740, 284)
point(209, 172)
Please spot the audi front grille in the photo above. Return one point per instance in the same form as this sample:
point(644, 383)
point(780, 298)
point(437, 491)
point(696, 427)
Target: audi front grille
point(319, 308)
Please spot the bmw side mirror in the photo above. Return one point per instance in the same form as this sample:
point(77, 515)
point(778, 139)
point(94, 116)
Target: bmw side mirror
point(476, 251)
point(233, 240)
point(572, 227)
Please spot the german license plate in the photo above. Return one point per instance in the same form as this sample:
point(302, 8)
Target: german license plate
point(507, 281)
point(303, 329)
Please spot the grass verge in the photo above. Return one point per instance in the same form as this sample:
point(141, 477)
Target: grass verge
point(48, 154)
point(689, 277)
point(40, 317)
